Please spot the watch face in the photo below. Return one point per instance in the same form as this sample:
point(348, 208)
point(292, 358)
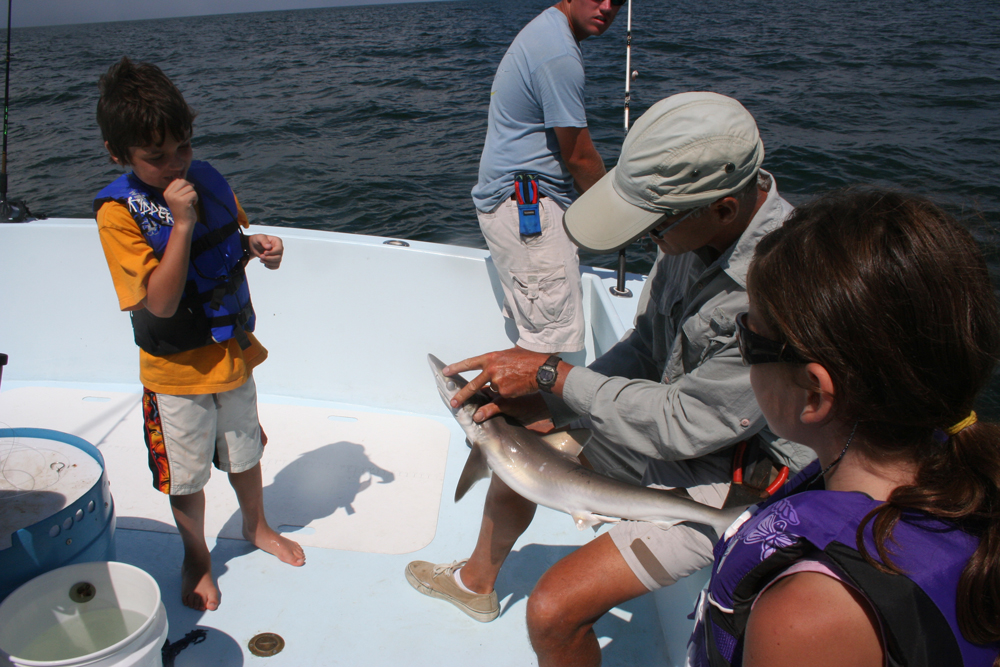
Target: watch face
point(546, 375)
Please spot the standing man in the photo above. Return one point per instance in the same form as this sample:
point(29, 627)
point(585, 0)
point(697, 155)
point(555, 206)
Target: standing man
point(671, 403)
point(537, 151)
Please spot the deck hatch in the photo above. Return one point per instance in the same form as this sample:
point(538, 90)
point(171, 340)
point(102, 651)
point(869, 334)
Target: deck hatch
point(266, 644)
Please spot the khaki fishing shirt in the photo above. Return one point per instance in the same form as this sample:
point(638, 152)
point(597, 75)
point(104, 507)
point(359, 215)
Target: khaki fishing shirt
point(675, 386)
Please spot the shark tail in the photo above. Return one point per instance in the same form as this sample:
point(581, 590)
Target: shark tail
point(720, 522)
point(475, 469)
point(726, 518)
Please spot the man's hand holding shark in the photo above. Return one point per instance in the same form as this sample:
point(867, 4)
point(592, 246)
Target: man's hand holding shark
point(667, 406)
point(509, 374)
point(544, 469)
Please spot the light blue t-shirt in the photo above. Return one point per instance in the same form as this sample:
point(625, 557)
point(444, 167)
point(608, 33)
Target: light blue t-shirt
point(538, 86)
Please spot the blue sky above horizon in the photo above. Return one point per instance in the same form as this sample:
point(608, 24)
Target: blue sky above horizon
point(26, 13)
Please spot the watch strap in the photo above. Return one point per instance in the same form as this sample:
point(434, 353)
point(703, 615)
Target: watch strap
point(548, 373)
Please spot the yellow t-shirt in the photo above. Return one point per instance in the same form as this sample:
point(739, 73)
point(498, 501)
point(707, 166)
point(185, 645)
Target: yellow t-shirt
point(205, 370)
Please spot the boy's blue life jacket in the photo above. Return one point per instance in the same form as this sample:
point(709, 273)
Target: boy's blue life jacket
point(916, 609)
point(215, 305)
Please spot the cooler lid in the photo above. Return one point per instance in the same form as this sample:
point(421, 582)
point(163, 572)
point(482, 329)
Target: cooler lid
point(39, 477)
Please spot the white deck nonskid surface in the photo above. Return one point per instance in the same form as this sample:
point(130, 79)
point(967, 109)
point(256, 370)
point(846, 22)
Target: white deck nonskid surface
point(344, 607)
point(337, 478)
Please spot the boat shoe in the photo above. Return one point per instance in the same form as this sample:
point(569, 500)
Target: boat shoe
point(438, 581)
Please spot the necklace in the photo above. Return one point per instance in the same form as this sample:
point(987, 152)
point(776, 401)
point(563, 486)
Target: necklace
point(837, 460)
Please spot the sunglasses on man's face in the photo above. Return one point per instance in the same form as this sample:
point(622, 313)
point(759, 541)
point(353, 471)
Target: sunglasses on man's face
point(658, 233)
point(756, 349)
point(617, 3)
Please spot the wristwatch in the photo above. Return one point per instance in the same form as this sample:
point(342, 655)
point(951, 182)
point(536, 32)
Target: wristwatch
point(547, 374)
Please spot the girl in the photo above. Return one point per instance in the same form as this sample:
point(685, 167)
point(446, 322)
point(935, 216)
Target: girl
point(872, 328)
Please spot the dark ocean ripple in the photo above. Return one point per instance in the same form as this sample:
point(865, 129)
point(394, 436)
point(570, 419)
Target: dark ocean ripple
point(371, 119)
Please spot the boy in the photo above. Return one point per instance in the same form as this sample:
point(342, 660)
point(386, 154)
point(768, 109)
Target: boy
point(172, 235)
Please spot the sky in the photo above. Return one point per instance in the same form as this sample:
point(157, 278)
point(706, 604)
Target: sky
point(26, 13)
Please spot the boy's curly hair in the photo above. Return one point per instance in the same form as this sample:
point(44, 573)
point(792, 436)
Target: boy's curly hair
point(139, 105)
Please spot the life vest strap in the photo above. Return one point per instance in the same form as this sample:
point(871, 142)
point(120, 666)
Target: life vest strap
point(238, 322)
point(231, 286)
point(213, 238)
point(239, 319)
point(240, 334)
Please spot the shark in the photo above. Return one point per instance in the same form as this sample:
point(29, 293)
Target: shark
point(545, 469)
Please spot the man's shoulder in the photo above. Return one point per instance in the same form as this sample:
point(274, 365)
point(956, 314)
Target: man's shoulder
point(544, 23)
point(546, 38)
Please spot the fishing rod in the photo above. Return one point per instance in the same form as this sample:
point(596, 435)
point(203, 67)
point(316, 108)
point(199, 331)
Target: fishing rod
point(629, 74)
point(10, 211)
point(619, 289)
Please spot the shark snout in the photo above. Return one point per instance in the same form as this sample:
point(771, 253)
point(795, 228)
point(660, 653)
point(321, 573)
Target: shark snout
point(446, 386)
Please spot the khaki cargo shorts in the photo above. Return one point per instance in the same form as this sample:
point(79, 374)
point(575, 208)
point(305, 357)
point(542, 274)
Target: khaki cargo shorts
point(540, 275)
point(662, 556)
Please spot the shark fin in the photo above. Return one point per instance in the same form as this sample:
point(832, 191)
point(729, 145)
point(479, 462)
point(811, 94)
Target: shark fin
point(585, 519)
point(475, 469)
point(568, 442)
point(603, 520)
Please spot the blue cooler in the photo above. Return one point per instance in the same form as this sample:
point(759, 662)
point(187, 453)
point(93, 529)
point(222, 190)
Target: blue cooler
point(55, 504)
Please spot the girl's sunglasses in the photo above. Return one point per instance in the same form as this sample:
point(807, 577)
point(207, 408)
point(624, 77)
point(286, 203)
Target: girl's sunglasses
point(756, 349)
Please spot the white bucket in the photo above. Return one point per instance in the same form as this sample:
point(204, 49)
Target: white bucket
point(95, 614)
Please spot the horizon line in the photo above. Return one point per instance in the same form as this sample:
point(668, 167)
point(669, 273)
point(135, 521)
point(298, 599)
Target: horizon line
point(54, 14)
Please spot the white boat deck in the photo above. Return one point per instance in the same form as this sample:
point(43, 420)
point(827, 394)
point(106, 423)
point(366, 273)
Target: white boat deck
point(362, 459)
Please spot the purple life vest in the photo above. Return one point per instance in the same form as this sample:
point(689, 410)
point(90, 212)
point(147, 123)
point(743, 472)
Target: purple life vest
point(917, 609)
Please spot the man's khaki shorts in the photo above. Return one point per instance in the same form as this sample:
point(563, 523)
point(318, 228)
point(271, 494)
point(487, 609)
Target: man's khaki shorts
point(540, 275)
point(661, 556)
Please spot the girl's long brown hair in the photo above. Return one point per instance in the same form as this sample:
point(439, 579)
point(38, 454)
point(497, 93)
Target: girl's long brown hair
point(893, 298)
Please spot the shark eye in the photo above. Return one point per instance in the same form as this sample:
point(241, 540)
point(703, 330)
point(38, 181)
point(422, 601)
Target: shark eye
point(451, 385)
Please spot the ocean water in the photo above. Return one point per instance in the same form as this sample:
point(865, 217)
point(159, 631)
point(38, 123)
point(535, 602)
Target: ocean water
point(371, 119)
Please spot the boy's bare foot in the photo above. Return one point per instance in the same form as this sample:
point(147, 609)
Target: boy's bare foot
point(266, 539)
point(198, 591)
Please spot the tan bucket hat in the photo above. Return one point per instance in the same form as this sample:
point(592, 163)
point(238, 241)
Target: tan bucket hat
point(685, 152)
